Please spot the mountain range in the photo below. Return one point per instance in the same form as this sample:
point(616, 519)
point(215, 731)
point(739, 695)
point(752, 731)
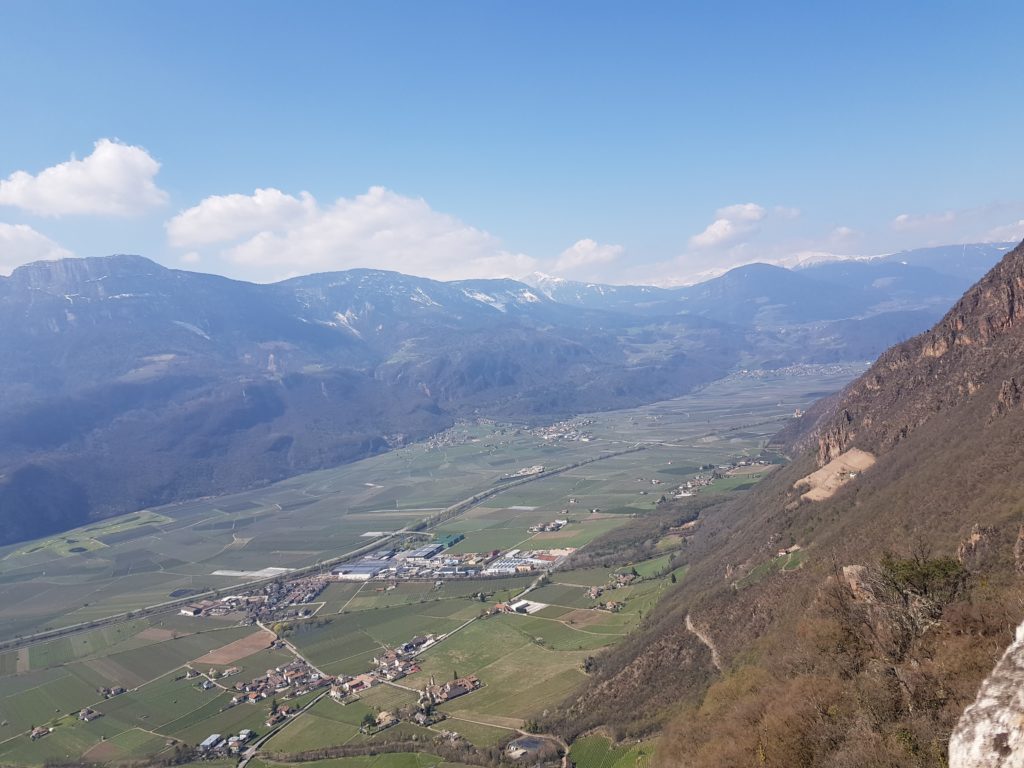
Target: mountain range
point(845, 611)
point(125, 384)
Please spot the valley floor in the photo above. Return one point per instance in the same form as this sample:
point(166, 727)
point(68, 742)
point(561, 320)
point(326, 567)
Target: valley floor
point(525, 663)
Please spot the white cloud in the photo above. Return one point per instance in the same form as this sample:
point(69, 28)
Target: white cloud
point(731, 224)
point(221, 218)
point(585, 254)
point(1006, 233)
point(115, 180)
point(270, 235)
point(842, 234)
point(787, 213)
point(20, 244)
point(906, 221)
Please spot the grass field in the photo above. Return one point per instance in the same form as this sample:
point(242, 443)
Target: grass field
point(598, 752)
point(782, 563)
point(480, 735)
point(345, 644)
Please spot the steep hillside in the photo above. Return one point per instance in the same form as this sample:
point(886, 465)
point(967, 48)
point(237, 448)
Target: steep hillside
point(864, 642)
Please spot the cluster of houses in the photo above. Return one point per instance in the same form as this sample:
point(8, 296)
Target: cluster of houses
point(282, 599)
point(215, 745)
point(396, 663)
point(296, 678)
point(389, 665)
point(88, 714)
point(277, 600)
point(109, 693)
point(574, 430)
point(554, 525)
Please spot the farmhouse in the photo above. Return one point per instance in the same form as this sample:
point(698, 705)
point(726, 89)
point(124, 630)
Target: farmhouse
point(359, 683)
point(88, 715)
point(436, 694)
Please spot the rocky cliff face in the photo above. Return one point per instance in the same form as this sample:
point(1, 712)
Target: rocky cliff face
point(991, 732)
point(973, 351)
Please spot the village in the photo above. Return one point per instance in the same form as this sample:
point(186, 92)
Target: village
point(299, 678)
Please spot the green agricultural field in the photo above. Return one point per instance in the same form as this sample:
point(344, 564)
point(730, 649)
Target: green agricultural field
point(322, 726)
point(477, 734)
point(344, 644)
point(584, 577)
point(490, 539)
point(527, 663)
point(782, 563)
point(310, 732)
point(48, 700)
point(560, 636)
point(251, 666)
point(384, 697)
point(598, 752)
point(144, 558)
point(519, 677)
point(8, 663)
point(563, 595)
point(403, 730)
point(378, 595)
point(653, 567)
point(122, 636)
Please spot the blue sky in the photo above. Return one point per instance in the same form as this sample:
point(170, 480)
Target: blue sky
point(623, 142)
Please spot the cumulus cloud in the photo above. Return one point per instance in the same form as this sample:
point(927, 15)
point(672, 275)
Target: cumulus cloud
point(115, 180)
point(730, 225)
point(20, 244)
point(221, 218)
point(585, 254)
point(269, 235)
